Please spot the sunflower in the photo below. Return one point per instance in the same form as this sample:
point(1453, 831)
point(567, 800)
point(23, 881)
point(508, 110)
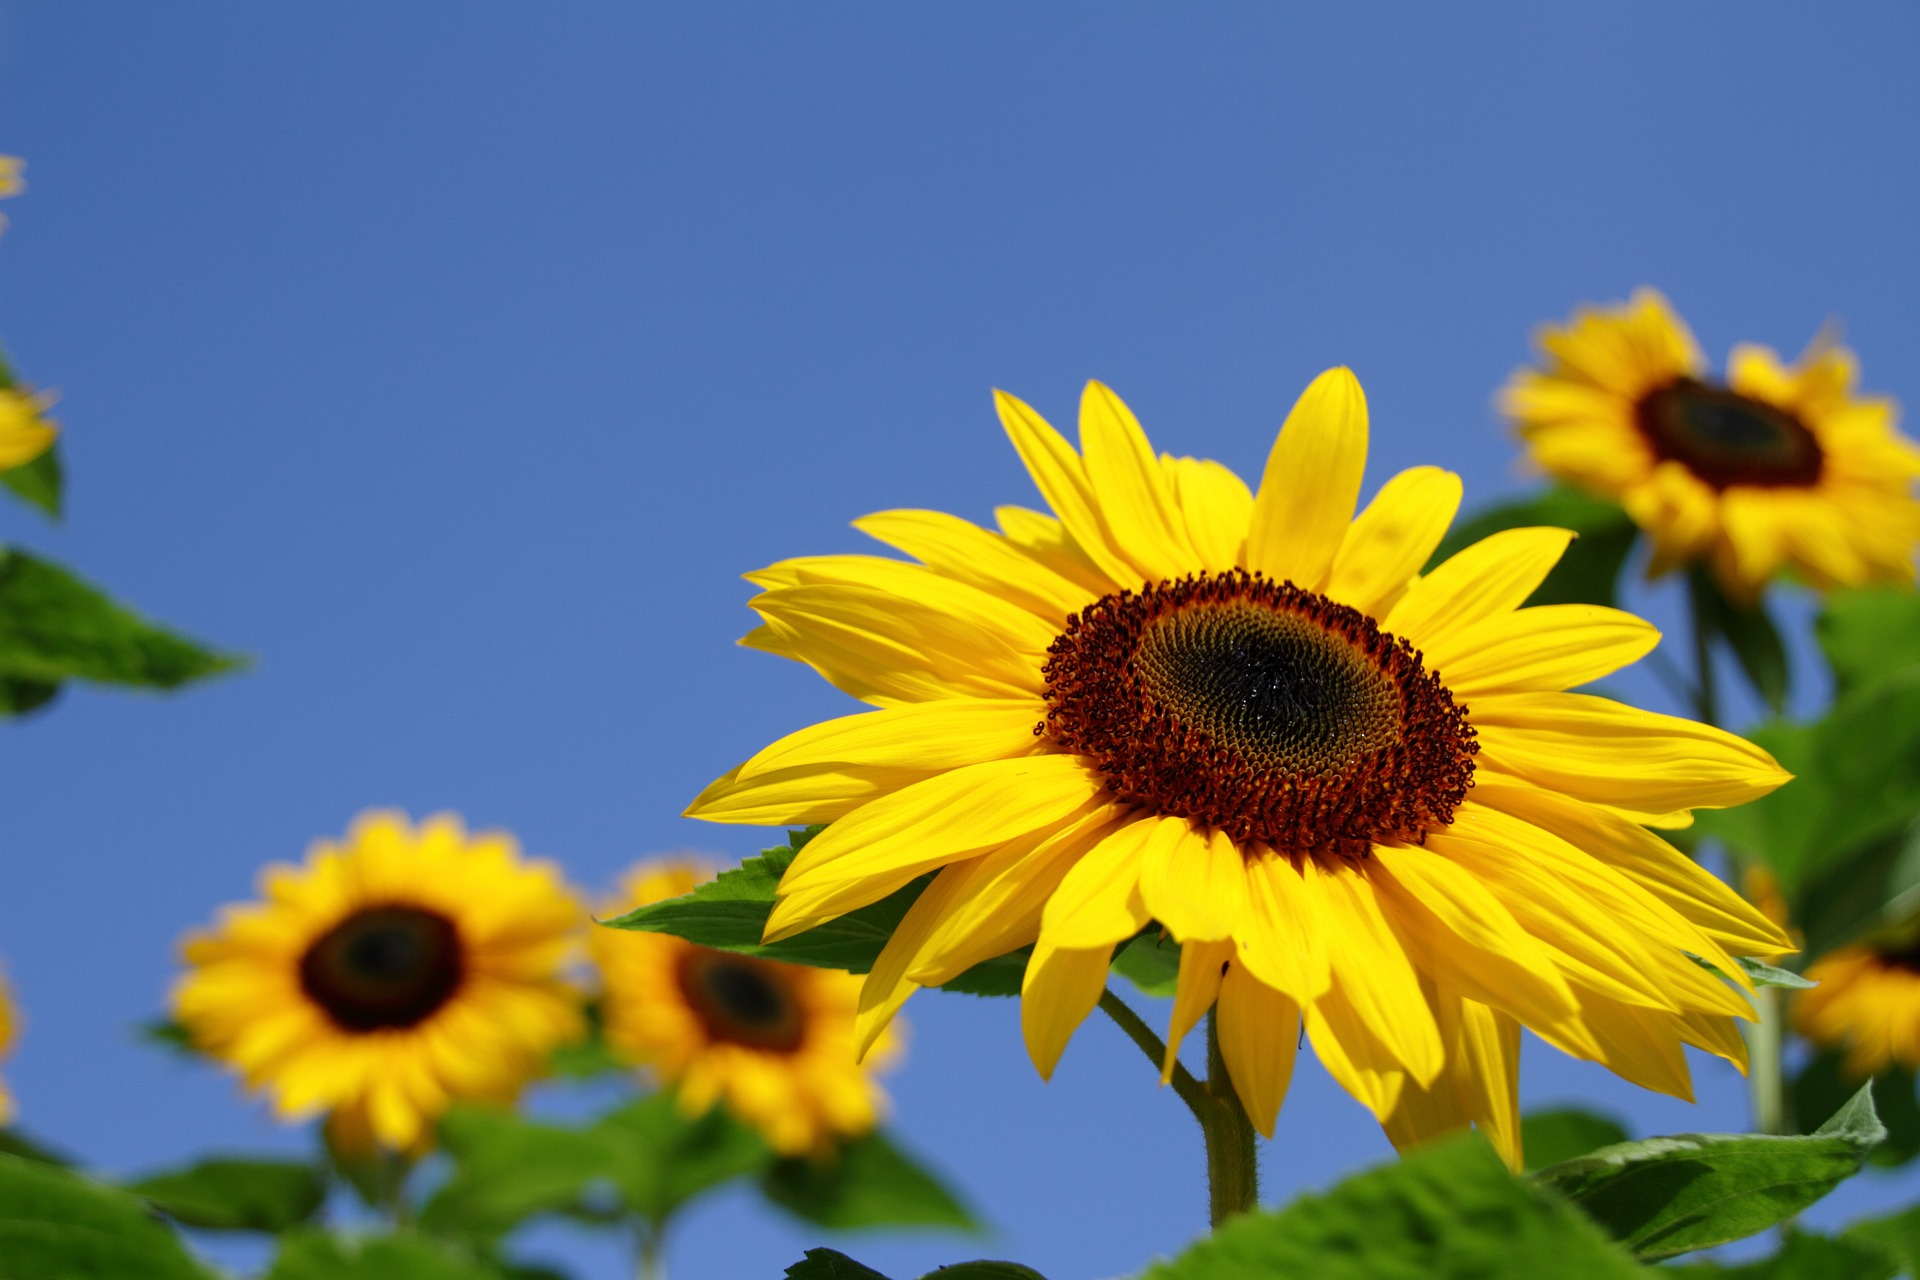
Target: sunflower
point(9, 1030)
point(1358, 798)
point(25, 430)
point(11, 183)
point(1772, 466)
point(774, 1041)
point(1867, 1003)
point(395, 972)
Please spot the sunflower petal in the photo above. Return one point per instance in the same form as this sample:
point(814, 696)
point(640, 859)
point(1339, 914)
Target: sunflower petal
point(1060, 990)
point(887, 987)
point(986, 610)
point(1372, 973)
point(1193, 881)
point(1346, 1046)
point(934, 736)
point(1259, 1038)
point(1202, 965)
point(1311, 483)
point(1062, 479)
point(1098, 903)
point(978, 557)
point(1543, 649)
point(1391, 541)
point(1137, 505)
point(1493, 576)
point(1217, 506)
point(1280, 939)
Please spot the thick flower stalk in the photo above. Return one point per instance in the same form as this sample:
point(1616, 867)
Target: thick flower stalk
point(1360, 799)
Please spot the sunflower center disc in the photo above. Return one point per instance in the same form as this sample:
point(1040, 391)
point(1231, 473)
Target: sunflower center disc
point(742, 1000)
point(1726, 438)
point(383, 967)
point(1269, 712)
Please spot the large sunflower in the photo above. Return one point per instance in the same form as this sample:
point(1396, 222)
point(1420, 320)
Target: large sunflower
point(774, 1042)
point(395, 972)
point(1867, 1003)
point(1772, 466)
point(1356, 797)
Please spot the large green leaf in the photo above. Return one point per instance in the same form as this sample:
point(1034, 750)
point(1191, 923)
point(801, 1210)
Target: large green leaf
point(1802, 1256)
point(54, 626)
point(1562, 1133)
point(1587, 574)
point(15, 1142)
point(867, 1182)
point(1667, 1196)
point(1869, 632)
point(1896, 1235)
point(1748, 631)
point(731, 910)
point(235, 1194)
point(1151, 962)
point(56, 1225)
point(39, 483)
point(1823, 1085)
point(1448, 1212)
point(311, 1255)
point(666, 1158)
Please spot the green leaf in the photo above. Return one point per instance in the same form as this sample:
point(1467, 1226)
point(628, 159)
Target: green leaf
point(1150, 962)
point(235, 1194)
point(1824, 1084)
point(312, 1255)
point(1802, 1256)
point(1667, 1196)
point(15, 1143)
point(55, 1224)
point(506, 1169)
point(1869, 632)
point(1896, 1235)
point(665, 1159)
point(1587, 574)
point(1761, 975)
point(983, 1270)
point(1549, 1137)
point(730, 912)
point(38, 483)
point(866, 1182)
point(590, 1056)
point(18, 697)
point(1749, 633)
point(54, 627)
point(830, 1264)
point(1450, 1211)
point(165, 1033)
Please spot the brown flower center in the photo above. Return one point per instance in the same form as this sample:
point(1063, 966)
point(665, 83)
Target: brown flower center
point(741, 1000)
point(384, 967)
point(1726, 438)
point(1266, 711)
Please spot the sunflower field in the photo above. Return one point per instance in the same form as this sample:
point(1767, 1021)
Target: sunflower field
point(1411, 771)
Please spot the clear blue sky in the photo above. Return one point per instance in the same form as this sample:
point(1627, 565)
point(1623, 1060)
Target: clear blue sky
point(455, 360)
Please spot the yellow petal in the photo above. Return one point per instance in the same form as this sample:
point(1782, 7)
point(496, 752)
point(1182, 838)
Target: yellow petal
point(799, 796)
point(1489, 1075)
point(1393, 538)
point(1280, 938)
point(1194, 881)
point(883, 844)
point(1346, 1046)
point(1136, 504)
point(1604, 751)
point(1217, 506)
point(887, 987)
point(985, 610)
point(1061, 477)
point(1259, 1036)
point(1372, 972)
point(1422, 1115)
point(1202, 965)
point(1493, 576)
point(928, 735)
point(1311, 483)
point(967, 553)
point(1098, 903)
point(1543, 649)
point(886, 633)
point(1060, 990)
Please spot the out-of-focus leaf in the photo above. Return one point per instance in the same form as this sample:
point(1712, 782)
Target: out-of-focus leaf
point(56, 1225)
point(1874, 887)
point(311, 1255)
point(1587, 574)
point(1896, 1235)
point(39, 483)
point(1550, 1137)
point(731, 910)
point(1822, 1086)
point(235, 1194)
point(1667, 1196)
point(866, 1182)
point(13, 1142)
point(18, 697)
point(663, 1158)
point(506, 1169)
point(983, 1270)
point(1868, 632)
point(54, 627)
point(1802, 1256)
point(1749, 632)
point(1858, 781)
point(830, 1264)
point(590, 1056)
point(1450, 1211)
point(1150, 962)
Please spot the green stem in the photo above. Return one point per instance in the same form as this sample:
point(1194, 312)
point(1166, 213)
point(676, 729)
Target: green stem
point(1233, 1170)
point(1233, 1184)
point(650, 1252)
point(1766, 1083)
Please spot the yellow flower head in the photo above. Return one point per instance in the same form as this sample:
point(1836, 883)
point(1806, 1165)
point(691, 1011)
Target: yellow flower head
point(25, 430)
point(1773, 466)
point(395, 972)
point(9, 1031)
point(1359, 798)
point(773, 1041)
point(1867, 1003)
point(11, 183)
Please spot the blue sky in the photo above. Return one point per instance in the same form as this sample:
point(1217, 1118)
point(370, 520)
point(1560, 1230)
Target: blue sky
point(455, 360)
